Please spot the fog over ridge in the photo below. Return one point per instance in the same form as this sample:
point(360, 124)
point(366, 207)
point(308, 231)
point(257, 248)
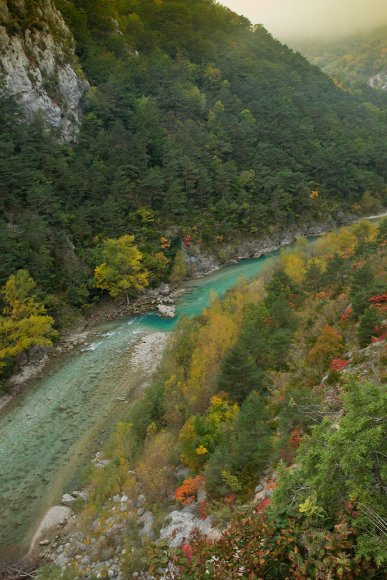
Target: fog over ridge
point(289, 19)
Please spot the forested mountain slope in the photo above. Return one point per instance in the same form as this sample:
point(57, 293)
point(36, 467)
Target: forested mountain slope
point(356, 62)
point(196, 124)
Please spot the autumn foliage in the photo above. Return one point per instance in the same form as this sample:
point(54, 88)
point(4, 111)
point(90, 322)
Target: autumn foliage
point(328, 344)
point(338, 364)
point(255, 546)
point(188, 491)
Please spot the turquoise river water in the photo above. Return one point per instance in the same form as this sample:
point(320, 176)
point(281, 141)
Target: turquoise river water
point(48, 432)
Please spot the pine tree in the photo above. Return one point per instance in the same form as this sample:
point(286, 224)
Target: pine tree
point(240, 373)
point(368, 324)
point(313, 278)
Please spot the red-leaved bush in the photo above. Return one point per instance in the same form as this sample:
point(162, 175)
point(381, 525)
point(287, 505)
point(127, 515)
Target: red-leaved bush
point(255, 546)
point(338, 364)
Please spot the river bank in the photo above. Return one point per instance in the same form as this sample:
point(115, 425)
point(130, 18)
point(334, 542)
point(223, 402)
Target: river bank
point(199, 262)
point(143, 360)
point(54, 428)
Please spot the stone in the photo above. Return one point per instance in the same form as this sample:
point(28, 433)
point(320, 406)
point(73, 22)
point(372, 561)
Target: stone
point(172, 508)
point(260, 496)
point(378, 81)
point(181, 525)
point(61, 561)
point(56, 516)
point(124, 499)
point(67, 499)
point(83, 495)
point(147, 521)
point(181, 473)
point(166, 311)
point(141, 500)
point(31, 61)
point(164, 289)
point(44, 543)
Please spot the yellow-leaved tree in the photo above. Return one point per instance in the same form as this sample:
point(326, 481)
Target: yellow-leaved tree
point(24, 322)
point(122, 269)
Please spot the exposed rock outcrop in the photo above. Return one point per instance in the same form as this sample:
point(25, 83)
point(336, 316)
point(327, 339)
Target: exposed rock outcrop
point(200, 262)
point(379, 81)
point(39, 66)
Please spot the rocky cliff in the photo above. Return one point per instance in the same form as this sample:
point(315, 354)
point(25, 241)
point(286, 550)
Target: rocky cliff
point(379, 81)
point(37, 59)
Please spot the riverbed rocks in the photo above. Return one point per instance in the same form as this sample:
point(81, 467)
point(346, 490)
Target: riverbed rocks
point(164, 290)
point(166, 311)
point(148, 300)
point(147, 353)
point(102, 463)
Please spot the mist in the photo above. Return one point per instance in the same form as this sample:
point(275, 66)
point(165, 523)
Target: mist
point(297, 19)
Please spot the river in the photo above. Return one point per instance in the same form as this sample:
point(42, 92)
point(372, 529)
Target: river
point(49, 431)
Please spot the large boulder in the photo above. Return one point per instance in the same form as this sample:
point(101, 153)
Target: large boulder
point(167, 311)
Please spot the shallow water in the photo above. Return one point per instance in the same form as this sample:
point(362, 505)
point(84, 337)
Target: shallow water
point(51, 430)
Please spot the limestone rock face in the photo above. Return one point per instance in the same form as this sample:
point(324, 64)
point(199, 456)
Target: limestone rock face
point(39, 66)
point(379, 81)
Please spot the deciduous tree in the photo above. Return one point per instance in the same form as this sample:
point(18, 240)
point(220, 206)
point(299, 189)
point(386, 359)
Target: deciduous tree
point(122, 270)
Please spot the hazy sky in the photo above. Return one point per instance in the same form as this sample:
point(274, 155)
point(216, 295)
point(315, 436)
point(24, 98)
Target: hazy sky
point(289, 18)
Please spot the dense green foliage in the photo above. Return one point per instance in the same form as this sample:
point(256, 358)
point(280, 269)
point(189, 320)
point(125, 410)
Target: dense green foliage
point(342, 469)
point(195, 119)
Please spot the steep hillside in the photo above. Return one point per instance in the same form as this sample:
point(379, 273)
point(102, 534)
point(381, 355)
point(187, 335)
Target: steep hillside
point(355, 62)
point(258, 451)
point(38, 63)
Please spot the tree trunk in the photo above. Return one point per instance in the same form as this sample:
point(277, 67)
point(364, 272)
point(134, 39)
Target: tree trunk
point(127, 297)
